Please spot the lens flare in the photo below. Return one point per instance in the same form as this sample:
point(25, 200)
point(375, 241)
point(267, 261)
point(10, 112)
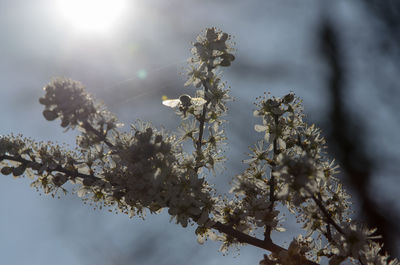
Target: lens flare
point(92, 15)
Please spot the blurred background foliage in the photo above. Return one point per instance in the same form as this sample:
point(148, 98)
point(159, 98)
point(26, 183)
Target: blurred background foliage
point(342, 57)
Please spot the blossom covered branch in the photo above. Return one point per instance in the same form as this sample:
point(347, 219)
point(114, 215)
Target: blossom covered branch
point(147, 170)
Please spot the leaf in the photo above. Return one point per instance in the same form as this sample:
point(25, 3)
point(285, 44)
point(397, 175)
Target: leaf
point(50, 115)
point(18, 171)
point(225, 63)
point(44, 101)
point(6, 170)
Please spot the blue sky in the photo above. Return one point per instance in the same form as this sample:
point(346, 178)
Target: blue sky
point(130, 67)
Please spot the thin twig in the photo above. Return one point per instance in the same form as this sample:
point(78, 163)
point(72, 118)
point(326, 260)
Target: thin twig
point(327, 215)
point(102, 137)
point(201, 128)
point(31, 164)
point(267, 233)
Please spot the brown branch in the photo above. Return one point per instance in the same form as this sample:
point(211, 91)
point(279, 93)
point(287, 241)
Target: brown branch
point(267, 233)
point(244, 238)
point(202, 121)
point(102, 137)
point(327, 215)
point(239, 236)
point(32, 164)
point(201, 129)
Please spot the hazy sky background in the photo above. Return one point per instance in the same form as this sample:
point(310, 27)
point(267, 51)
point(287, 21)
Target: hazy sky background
point(130, 67)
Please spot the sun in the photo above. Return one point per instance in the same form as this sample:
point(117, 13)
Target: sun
point(91, 15)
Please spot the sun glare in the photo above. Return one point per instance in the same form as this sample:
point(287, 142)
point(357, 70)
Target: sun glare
point(91, 15)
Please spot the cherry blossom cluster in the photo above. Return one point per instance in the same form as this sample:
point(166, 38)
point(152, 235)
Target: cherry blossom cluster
point(204, 126)
point(303, 178)
point(48, 164)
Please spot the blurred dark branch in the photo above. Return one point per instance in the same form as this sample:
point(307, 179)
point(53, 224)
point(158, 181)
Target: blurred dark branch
point(387, 35)
point(348, 141)
point(388, 11)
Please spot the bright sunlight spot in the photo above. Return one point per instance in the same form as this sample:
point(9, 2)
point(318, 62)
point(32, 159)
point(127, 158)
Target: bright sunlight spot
point(92, 15)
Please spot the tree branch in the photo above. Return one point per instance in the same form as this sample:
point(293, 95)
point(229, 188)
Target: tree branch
point(327, 216)
point(244, 238)
point(102, 137)
point(267, 233)
point(201, 128)
point(33, 164)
